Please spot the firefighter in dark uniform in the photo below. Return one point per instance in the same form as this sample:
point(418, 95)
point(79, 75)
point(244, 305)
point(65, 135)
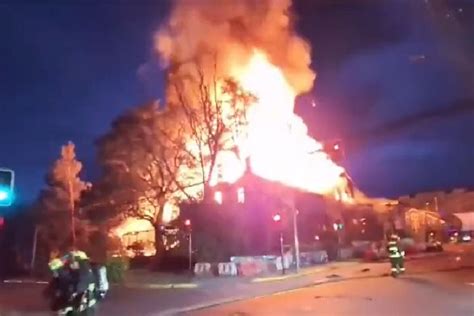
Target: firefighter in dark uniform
point(72, 289)
point(396, 255)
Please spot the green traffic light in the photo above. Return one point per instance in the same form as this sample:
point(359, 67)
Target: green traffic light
point(3, 195)
point(7, 182)
point(6, 197)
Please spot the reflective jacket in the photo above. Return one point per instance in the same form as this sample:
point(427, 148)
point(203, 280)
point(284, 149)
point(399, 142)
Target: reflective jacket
point(393, 249)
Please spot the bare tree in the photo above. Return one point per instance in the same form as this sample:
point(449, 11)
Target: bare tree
point(212, 114)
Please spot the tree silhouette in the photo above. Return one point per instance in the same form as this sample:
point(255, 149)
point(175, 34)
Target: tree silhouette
point(141, 157)
point(57, 201)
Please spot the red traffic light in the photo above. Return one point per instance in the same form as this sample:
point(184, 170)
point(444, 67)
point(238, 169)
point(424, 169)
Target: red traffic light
point(187, 222)
point(276, 218)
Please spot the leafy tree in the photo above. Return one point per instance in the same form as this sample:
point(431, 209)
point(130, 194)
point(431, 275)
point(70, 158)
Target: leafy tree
point(141, 157)
point(57, 202)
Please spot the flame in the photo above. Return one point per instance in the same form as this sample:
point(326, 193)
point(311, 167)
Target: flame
point(276, 140)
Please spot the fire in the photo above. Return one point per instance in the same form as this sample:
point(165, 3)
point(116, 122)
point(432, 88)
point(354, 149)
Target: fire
point(253, 42)
point(276, 140)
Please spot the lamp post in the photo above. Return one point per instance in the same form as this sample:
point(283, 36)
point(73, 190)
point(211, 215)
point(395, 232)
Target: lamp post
point(187, 224)
point(277, 219)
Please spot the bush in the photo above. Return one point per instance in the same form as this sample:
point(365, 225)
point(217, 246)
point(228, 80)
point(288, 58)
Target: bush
point(116, 268)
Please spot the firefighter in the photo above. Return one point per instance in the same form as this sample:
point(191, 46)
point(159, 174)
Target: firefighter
point(72, 289)
point(60, 288)
point(84, 283)
point(396, 255)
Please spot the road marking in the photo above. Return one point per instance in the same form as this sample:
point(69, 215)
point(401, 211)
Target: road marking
point(24, 281)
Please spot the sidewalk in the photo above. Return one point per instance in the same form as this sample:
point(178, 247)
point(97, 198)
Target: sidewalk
point(154, 280)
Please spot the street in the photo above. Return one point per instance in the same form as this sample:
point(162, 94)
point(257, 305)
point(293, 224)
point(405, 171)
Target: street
point(439, 293)
point(440, 283)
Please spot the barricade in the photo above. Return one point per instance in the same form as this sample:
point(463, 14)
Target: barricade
point(248, 269)
point(227, 269)
point(202, 269)
point(251, 266)
point(346, 253)
point(287, 261)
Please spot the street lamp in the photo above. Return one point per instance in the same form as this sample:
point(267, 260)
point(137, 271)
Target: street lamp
point(187, 225)
point(277, 219)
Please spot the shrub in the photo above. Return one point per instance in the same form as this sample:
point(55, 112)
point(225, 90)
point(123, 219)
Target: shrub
point(116, 268)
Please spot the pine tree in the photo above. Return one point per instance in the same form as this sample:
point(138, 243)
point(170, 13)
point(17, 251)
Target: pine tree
point(57, 201)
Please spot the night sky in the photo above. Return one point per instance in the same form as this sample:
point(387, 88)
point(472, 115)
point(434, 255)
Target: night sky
point(395, 82)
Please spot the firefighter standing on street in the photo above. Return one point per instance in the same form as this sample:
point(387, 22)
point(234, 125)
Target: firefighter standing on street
point(396, 255)
point(72, 289)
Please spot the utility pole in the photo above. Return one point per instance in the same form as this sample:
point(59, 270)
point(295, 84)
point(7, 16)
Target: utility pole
point(33, 250)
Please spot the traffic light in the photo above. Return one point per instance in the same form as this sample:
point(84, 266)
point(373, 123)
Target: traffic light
point(7, 179)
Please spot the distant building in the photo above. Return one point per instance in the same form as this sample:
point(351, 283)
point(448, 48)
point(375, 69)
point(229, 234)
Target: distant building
point(459, 200)
point(437, 210)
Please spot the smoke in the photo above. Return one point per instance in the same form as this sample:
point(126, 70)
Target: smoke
point(221, 35)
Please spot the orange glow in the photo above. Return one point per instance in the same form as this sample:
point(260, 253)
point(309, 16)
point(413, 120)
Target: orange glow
point(275, 139)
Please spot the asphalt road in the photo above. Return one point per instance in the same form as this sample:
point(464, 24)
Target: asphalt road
point(446, 293)
point(440, 293)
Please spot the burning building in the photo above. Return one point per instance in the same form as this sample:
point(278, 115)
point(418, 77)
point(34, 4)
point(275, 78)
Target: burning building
point(254, 43)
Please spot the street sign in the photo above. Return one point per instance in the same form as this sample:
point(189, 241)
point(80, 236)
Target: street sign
point(7, 183)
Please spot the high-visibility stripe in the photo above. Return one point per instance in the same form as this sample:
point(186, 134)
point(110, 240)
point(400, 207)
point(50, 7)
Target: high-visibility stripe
point(393, 249)
point(402, 269)
point(394, 255)
point(393, 269)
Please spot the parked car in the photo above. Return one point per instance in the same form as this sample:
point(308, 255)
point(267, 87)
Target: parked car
point(465, 236)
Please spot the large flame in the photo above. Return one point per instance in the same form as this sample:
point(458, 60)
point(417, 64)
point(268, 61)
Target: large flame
point(277, 140)
point(253, 42)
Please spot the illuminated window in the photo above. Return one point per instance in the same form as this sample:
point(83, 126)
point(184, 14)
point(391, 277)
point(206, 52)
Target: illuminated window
point(218, 197)
point(240, 195)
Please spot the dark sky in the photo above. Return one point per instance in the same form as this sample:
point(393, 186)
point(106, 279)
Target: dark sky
point(395, 82)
